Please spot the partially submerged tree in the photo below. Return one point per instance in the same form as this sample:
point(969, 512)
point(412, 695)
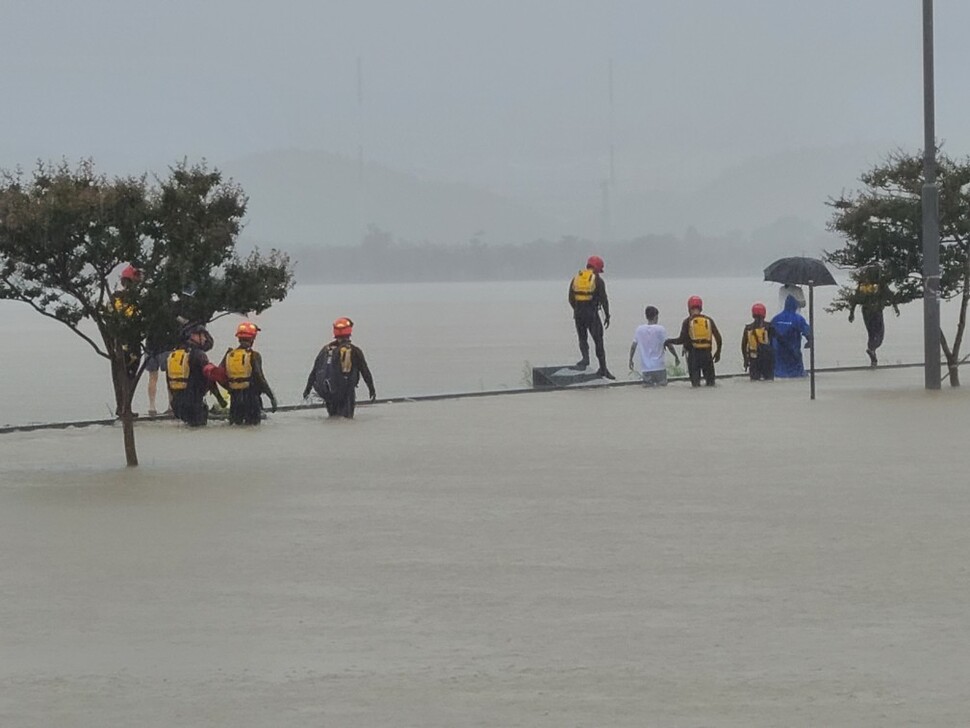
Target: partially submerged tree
point(882, 226)
point(65, 233)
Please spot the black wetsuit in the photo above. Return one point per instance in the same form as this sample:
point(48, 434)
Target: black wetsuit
point(121, 302)
point(761, 362)
point(875, 321)
point(700, 358)
point(246, 405)
point(587, 318)
point(873, 299)
point(188, 404)
point(344, 404)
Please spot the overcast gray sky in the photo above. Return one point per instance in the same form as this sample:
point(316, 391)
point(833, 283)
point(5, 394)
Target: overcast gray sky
point(511, 95)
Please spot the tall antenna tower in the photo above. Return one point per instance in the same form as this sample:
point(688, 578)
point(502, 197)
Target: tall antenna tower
point(608, 185)
point(612, 128)
point(360, 149)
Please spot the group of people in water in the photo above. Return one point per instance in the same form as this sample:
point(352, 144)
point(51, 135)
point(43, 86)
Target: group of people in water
point(769, 348)
point(190, 375)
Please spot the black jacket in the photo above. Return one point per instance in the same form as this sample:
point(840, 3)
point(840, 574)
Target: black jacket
point(359, 366)
point(599, 300)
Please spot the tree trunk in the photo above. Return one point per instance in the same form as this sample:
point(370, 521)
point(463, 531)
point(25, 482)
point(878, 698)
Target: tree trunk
point(124, 393)
point(953, 367)
point(952, 357)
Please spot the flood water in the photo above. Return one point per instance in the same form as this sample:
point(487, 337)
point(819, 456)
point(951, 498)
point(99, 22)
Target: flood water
point(427, 338)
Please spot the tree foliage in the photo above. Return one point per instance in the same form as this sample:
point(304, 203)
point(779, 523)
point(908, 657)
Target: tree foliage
point(66, 231)
point(883, 230)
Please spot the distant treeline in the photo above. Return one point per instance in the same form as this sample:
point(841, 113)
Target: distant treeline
point(381, 259)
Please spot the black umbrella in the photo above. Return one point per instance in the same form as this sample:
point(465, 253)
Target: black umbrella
point(809, 272)
point(799, 272)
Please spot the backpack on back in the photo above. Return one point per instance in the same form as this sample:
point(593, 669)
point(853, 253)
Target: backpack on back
point(334, 380)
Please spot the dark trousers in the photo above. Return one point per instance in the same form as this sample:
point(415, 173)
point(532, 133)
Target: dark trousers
point(587, 320)
point(700, 361)
point(245, 407)
point(763, 365)
point(189, 407)
point(342, 407)
point(875, 327)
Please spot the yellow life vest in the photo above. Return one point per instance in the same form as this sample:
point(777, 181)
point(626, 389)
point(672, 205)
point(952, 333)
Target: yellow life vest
point(756, 337)
point(700, 332)
point(239, 368)
point(177, 369)
point(584, 284)
point(125, 308)
point(868, 289)
point(346, 359)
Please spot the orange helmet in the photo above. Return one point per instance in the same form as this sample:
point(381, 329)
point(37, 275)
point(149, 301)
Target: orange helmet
point(595, 262)
point(758, 309)
point(247, 330)
point(342, 327)
point(130, 273)
point(695, 302)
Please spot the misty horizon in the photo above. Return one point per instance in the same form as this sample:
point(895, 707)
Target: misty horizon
point(443, 122)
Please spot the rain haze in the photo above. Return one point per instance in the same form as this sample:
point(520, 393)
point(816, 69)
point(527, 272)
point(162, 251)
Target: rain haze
point(737, 555)
point(500, 123)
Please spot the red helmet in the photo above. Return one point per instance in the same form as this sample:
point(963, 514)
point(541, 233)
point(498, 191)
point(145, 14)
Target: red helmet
point(758, 309)
point(595, 262)
point(342, 327)
point(695, 302)
point(130, 273)
point(247, 330)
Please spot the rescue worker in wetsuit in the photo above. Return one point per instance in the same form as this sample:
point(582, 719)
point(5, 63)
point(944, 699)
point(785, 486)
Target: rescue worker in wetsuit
point(698, 334)
point(587, 294)
point(190, 375)
point(337, 370)
point(245, 379)
point(756, 345)
point(872, 296)
point(123, 302)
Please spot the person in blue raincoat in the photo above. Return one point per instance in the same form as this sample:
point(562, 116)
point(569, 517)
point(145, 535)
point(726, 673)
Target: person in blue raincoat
point(790, 326)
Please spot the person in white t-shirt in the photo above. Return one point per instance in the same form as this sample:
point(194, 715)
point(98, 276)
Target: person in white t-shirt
point(649, 338)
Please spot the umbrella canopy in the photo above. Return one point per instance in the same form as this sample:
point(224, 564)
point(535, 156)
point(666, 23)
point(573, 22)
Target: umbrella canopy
point(799, 271)
point(809, 272)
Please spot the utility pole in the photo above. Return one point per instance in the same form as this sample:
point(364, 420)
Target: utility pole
point(360, 150)
point(608, 185)
point(931, 214)
point(612, 128)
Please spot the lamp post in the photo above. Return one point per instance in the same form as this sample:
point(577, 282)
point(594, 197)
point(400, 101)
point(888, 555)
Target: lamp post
point(931, 215)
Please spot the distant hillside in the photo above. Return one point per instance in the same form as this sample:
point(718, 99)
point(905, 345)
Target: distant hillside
point(750, 195)
point(309, 202)
point(313, 198)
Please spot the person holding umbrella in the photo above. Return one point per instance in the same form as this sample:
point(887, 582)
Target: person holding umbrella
point(801, 271)
point(789, 327)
